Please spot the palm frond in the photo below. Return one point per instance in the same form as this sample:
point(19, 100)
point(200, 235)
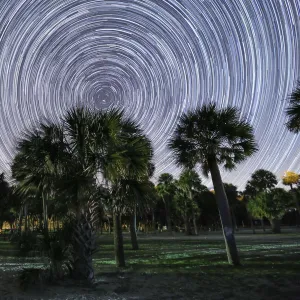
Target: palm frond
point(293, 110)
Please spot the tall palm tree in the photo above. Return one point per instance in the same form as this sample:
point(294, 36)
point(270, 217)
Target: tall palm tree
point(293, 110)
point(112, 145)
point(165, 190)
point(129, 185)
point(210, 137)
point(141, 197)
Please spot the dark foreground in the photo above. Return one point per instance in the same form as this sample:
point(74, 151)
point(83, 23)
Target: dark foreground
point(175, 268)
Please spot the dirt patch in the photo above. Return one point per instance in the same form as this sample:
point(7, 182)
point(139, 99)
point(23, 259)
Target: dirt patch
point(123, 286)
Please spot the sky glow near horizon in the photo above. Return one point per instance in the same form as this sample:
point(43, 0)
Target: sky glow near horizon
point(156, 59)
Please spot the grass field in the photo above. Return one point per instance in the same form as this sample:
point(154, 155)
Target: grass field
point(182, 268)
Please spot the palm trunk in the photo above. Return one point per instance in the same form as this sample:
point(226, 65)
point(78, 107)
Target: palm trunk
point(168, 217)
point(133, 235)
point(195, 224)
point(153, 221)
point(101, 228)
point(45, 214)
point(20, 220)
point(224, 210)
point(250, 219)
point(235, 227)
point(275, 224)
point(26, 216)
point(118, 241)
point(84, 245)
point(108, 224)
point(187, 225)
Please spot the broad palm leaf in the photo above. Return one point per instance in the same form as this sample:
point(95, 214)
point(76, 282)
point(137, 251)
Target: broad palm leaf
point(210, 137)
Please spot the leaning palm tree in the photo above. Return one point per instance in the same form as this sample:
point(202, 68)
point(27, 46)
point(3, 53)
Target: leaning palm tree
point(293, 110)
point(210, 137)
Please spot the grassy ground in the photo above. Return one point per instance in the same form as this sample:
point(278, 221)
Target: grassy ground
point(185, 268)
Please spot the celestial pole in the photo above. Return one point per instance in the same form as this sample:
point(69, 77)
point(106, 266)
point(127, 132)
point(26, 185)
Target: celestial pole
point(156, 59)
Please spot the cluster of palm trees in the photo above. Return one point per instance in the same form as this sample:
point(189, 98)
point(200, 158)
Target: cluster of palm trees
point(89, 159)
point(182, 199)
point(101, 161)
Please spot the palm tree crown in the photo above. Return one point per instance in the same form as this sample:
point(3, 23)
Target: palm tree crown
point(208, 132)
point(261, 180)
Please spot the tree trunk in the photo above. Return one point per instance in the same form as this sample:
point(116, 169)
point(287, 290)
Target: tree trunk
point(234, 223)
point(168, 217)
point(275, 224)
point(45, 214)
point(250, 219)
point(118, 241)
point(84, 244)
point(153, 221)
point(133, 235)
point(262, 224)
point(295, 198)
point(252, 225)
point(224, 210)
point(108, 224)
point(20, 220)
point(195, 224)
point(101, 227)
point(187, 225)
point(26, 216)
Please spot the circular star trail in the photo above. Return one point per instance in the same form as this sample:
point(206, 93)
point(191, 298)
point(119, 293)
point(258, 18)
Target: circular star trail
point(156, 59)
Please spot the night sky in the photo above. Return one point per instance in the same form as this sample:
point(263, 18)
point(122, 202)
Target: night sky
point(156, 59)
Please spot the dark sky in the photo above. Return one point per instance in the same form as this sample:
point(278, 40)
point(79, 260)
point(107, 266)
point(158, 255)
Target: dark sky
point(156, 59)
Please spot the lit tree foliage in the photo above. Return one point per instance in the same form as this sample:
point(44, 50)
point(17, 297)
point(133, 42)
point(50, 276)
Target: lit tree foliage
point(271, 204)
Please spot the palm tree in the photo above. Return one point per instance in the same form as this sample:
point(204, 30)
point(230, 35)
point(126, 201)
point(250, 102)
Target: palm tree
point(112, 145)
point(63, 161)
point(165, 190)
point(130, 186)
point(140, 198)
point(293, 111)
point(57, 159)
point(211, 137)
point(189, 186)
point(35, 165)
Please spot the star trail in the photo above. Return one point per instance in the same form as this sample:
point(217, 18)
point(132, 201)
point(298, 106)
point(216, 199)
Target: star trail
point(156, 59)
